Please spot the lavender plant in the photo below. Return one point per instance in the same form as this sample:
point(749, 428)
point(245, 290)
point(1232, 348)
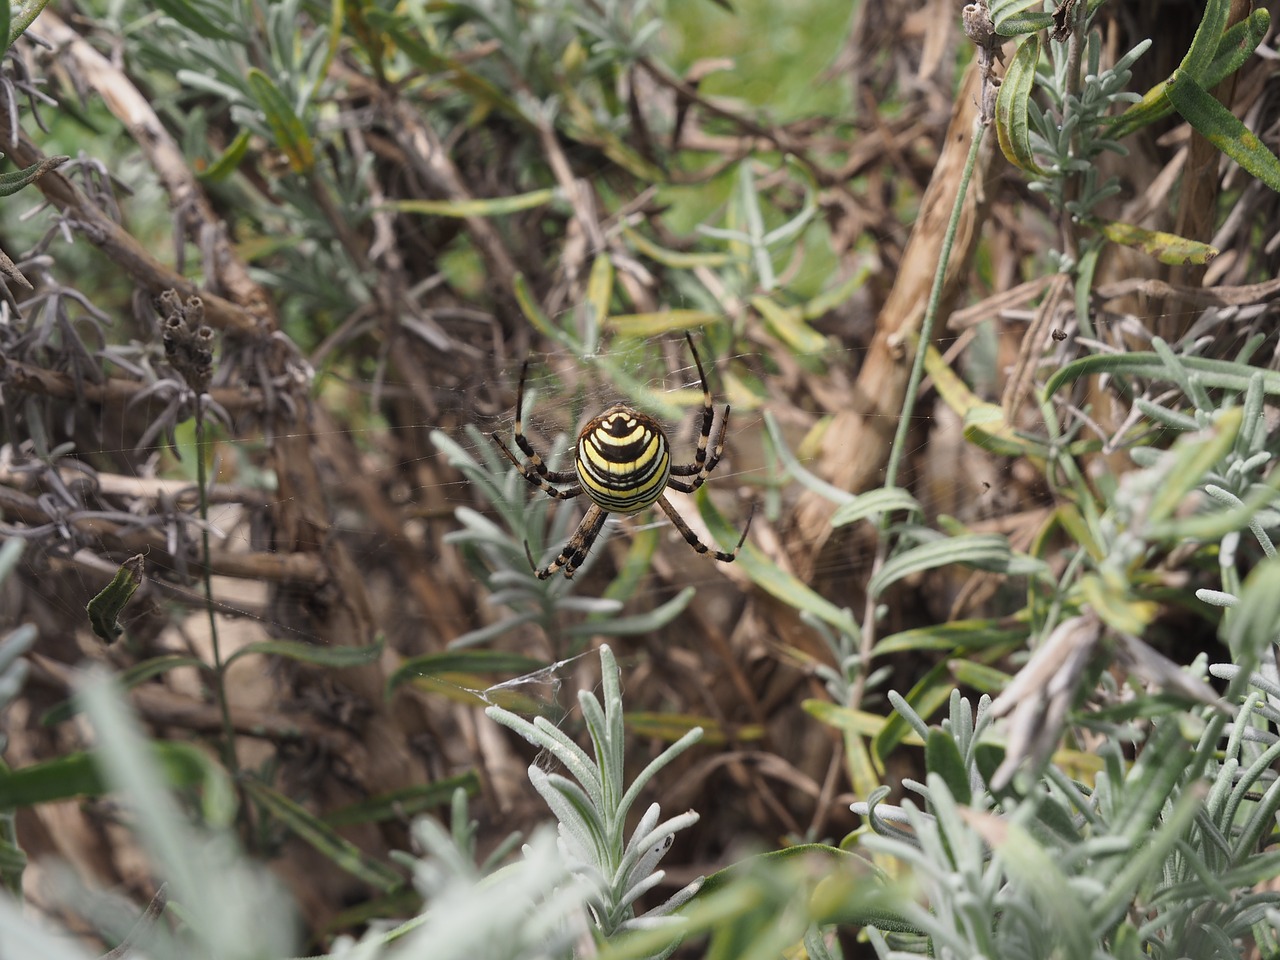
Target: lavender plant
point(592, 808)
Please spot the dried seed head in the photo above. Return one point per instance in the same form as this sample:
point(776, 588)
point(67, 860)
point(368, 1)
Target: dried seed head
point(188, 341)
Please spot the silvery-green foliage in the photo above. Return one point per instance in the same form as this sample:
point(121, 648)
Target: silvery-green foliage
point(231, 907)
point(228, 907)
point(1165, 856)
point(13, 674)
point(15, 643)
point(592, 803)
point(22, 937)
point(531, 909)
point(1074, 130)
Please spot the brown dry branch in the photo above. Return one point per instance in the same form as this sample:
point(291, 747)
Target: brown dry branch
point(855, 447)
point(119, 538)
point(227, 271)
point(114, 241)
point(168, 708)
point(29, 378)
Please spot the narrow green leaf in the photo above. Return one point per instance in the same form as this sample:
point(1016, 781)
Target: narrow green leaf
point(198, 18)
point(1013, 18)
point(105, 608)
point(860, 723)
point(464, 661)
point(670, 727)
point(1237, 45)
point(1148, 854)
point(985, 425)
point(128, 679)
point(675, 259)
point(808, 207)
point(401, 804)
point(600, 288)
point(838, 295)
point(408, 39)
point(312, 653)
point(21, 18)
point(14, 645)
point(986, 551)
point(1033, 867)
point(766, 574)
point(1213, 22)
point(534, 313)
point(491, 207)
point(775, 858)
point(787, 324)
point(855, 897)
point(942, 757)
point(793, 467)
point(10, 553)
point(1214, 374)
point(1194, 455)
point(648, 622)
point(581, 122)
point(966, 635)
point(1166, 247)
point(987, 758)
point(290, 133)
point(1253, 625)
point(406, 902)
point(1013, 131)
point(662, 321)
point(76, 775)
point(1220, 127)
point(13, 861)
point(1110, 597)
point(323, 838)
point(1025, 23)
point(337, 21)
point(73, 775)
point(980, 677)
point(927, 697)
point(473, 690)
point(873, 503)
point(229, 160)
point(1152, 781)
point(634, 570)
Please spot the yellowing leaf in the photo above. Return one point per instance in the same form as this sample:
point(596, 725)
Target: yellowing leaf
point(1166, 247)
point(660, 321)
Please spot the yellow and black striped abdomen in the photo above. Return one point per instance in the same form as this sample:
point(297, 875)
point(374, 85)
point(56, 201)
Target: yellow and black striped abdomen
point(623, 460)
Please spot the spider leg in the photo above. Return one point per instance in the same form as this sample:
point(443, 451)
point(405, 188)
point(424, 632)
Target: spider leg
point(518, 430)
point(700, 469)
point(538, 475)
point(702, 464)
point(708, 415)
point(575, 551)
point(503, 447)
point(535, 459)
point(691, 538)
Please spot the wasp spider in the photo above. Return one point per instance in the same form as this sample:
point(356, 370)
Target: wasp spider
point(623, 464)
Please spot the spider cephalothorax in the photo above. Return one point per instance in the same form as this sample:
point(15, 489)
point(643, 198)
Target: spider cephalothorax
point(623, 464)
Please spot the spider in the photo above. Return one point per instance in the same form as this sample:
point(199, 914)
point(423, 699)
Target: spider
point(623, 464)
